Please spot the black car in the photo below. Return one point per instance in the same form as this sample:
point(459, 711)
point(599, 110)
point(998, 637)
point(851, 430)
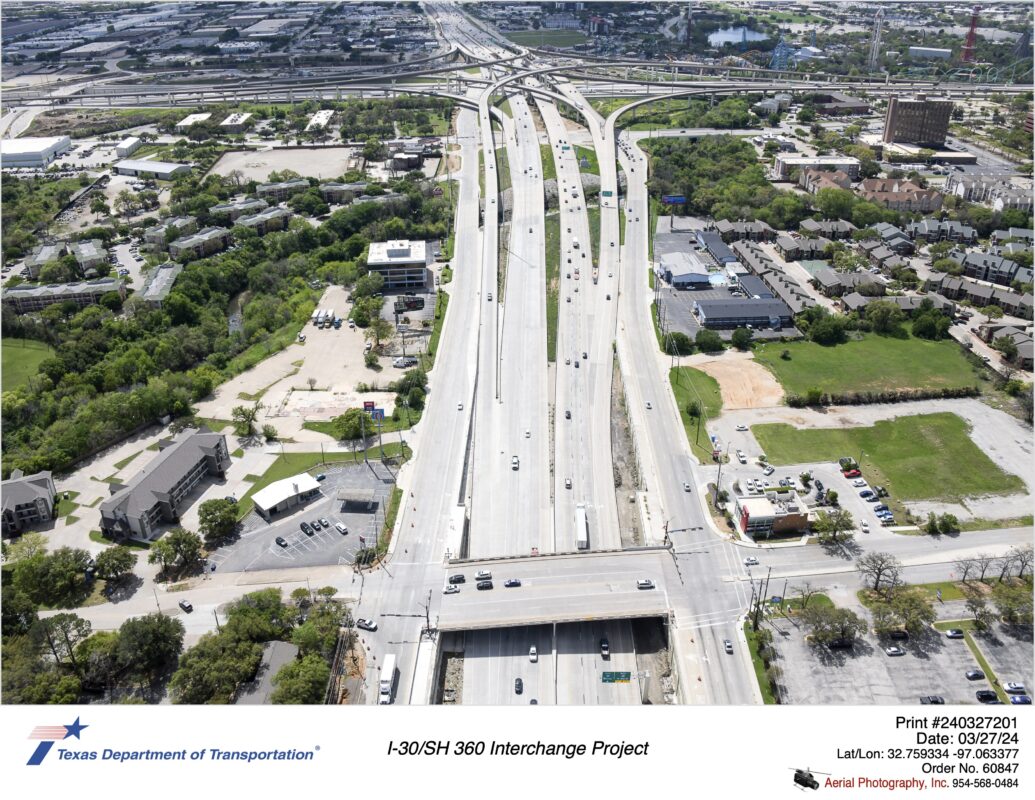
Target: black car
point(932, 700)
point(567, 414)
point(986, 696)
point(457, 579)
point(484, 585)
point(519, 686)
point(187, 607)
point(281, 541)
point(316, 524)
point(819, 486)
point(308, 531)
point(975, 675)
point(510, 584)
point(605, 648)
point(900, 635)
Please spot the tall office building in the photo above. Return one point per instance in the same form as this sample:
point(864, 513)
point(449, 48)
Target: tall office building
point(917, 120)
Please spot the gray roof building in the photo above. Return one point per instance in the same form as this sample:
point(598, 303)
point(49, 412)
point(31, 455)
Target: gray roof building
point(159, 283)
point(238, 207)
point(742, 312)
point(28, 297)
point(27, 500)
point(827, 228)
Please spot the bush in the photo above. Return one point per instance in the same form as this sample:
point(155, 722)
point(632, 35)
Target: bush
point(815, 397)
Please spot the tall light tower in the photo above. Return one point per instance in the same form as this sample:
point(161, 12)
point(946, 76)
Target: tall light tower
point(878, 25)
point(967, 56)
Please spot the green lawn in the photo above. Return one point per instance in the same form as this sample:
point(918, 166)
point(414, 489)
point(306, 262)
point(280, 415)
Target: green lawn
point(427, 358)
point(547, 38)
point(119, 465)
point(21, 359)
point(592, 166)
point(593, 216)
point(925, 457)
point(553, 264)
point(692, 384)
point(407, 419)
point(503, 165)
point(549, 169)
point(768, 697)
point(872, 363)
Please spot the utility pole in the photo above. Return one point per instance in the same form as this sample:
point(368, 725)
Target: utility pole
point(427, 614)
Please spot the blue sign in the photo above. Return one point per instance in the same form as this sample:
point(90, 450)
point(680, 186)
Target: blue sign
point(673, 199)
point(378, 415)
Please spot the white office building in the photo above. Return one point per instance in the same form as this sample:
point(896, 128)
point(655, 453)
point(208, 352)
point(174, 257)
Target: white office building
point(33, 151)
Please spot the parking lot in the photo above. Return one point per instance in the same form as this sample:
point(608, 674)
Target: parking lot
point(817, 675)
point(1008, 653)
point(257, 549)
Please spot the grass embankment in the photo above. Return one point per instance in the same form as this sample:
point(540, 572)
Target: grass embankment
point(21, 359)
point(553, 287)
point(593, 215)
point(407, 419)
point(606, 105)
point(288, 464)
point(591, 166)
point(549, 167)
point(427, 358)
point(872, 363)
point(689, 384)
point(923, 457)
point(764, 684)
point(503, 167)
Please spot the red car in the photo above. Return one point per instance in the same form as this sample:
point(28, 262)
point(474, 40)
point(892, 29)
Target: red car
point(852, 473)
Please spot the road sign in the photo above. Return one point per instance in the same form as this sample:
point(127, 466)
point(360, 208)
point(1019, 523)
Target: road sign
point(378, 414)
point(368, 405)
point(673, 199)
point(616, 677)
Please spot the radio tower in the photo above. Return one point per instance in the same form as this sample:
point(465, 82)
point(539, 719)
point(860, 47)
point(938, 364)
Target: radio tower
point(967, 55)
point(878, 24)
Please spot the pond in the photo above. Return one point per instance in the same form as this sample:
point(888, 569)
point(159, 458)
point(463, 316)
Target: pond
point(734, 35)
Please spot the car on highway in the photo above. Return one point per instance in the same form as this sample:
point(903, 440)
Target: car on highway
point(366, 624)
point(280, 540)
point(568, 298)
point(1015, 688)
point(514, 463)
point(519, 686)
point(649, 406)
point(459, 406)
point(1020, 700)
point(645, 583)
point(955, 633)
point(483, 585)
point(727, 645)
point(605, 648)
point(975, 675)
point(686, 486)
point(306, 529)
point(567, 361)
point(185, 606)
point(567, 483)
point(585, 354)
point(511, 583)
point(894, 651)
point(567, 414)
point(451, 589)
point(483, 575)
point(986, 696)
point(533, 654)
point(932, 700)
point(750, 561)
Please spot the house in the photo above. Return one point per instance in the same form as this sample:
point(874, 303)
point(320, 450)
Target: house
point(1020, 336)
point(162, 490)
point(1026, 235)
point(158, 283)
point(27, 501)
point(90, 255)
point(783, 287)
point(684, 270)
point(900, 195)
point(990, 189)
point(278, 192)
point(756, 231)
point(200, 244)
point(833, 229)
point(908, 304)
point(894, 238)
point(837, 104)
point(753, 286)
point(238, 207)
point(169, 229)
point(834, 284)
point(812, 180)
point(796, 249)
point(991, 268)
point(935, 230)
point(716, 247)
point(269, 219)
point(981, 294)
point(44, 254)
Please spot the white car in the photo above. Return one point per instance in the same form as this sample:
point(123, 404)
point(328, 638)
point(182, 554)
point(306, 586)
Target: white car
point(686, 486)
point(533, 654)
point(1015, 688)
point(750, 561)
point(451, 589)
point(859, 483)
point(742, 427)
point(649, 406)
point(769, 470)
point(366, 624)
point(741, 457)
point(864, 526)
point(894, 651)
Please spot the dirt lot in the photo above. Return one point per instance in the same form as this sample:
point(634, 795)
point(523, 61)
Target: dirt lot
point(743, 383)
point(323, 162)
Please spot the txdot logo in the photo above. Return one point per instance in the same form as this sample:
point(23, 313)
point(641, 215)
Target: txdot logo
point(48, 734)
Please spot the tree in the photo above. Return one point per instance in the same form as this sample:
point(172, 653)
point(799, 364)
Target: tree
point(162, 553)
point(244, 418)
point(99, 206)
point(301, 597)
point(302, 682)
point(187, 545)
point(57, 580)
point(19, 612)
point(914, 610)
point(678, 343)
point(352, 425)
point(829, 625)
point(741, 339)
point(259, 617)
point(828, 330)
point(884, 316)
point(805, 591)
point(98, 656)
point(880, 568)
point(378, 331)
point(708, 341)
point(992, 312)
point(1006, 346)
point(269, 433)
point(693, 409)
point(964, 567)
point(217, 519)
point(28, 545)
point(212, 670)
point(61, 634)
point(977, 607)
point(1023, 557)
point(835, 526)
point(983, 562)
point(150, 645)
point(115, 563)
point(1014, 602)
point(948, 523)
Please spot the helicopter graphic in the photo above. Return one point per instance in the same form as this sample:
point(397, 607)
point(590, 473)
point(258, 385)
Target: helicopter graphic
point(804, 778)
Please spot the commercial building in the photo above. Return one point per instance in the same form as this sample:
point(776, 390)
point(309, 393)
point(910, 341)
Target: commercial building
point(26, 501)
point(239, 207)
point(278, 192)
point(319, 120)
point(917, 120)
point(812, 180)
point(270, 219)
point(235, 123)
point(160, 491)
point(930, 53)
point(716, 247)
point(835, 104)
point(684, 270)
point(33, 151)
point(27, 297)
point(158, 283)
point(127, 147)
point(85, 52)
point(192, 119)
point(777, 511)
point(402, 263)
point(162, 170)
point(168, 230)
point(742, 312)
point(786, 164)
point(285, 494)
point(203, 243)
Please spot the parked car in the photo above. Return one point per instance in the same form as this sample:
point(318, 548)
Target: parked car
point(457, 579)
point(306, 529)
point(280, 540)
point(483, 585)
point(851, 473)
point(321, 477)
point(894, 651)
point(186, 606)
point(986, 696)
point(366, 624)
point(533, 654)
point(451, 589)
point(858, 483)
point(1015, 688)
point(1020, 700)
point(975, 675)
point(955, 633)
point(324, 522)
point(932, 700)
point(866, 494)
point(483, 575)
point(340, 528)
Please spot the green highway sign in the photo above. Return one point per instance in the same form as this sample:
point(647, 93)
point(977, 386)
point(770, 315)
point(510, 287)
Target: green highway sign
point(616, 677)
